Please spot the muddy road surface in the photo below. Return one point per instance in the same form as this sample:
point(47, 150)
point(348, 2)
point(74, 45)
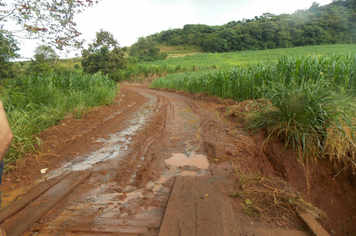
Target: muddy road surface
point(152, 163)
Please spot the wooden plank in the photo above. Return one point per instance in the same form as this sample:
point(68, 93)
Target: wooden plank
point(25, 200)
point(182, 197)
point(19, 223)
point(312, 224)
point(115, 229)
point(274, 232)
point(214, 210)
point(197, 208)
point(70, 222)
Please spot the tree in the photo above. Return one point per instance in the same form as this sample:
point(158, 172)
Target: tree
point(49, 20)
point(104, 55)
point(146, 50)
point(8, 48)
point(332, 23)
point(215, 44)
point(45, 53)
point(230, 36)
point(45, 59)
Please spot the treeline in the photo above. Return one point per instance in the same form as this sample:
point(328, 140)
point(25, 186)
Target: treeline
point(334, 23)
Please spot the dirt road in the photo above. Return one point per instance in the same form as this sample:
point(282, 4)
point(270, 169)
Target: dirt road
point(160, 164)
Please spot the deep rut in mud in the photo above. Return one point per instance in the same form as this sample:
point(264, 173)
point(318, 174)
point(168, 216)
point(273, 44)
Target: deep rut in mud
point(135, 153)
point(133, 167)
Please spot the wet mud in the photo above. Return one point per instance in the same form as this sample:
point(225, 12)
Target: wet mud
point(136, 148)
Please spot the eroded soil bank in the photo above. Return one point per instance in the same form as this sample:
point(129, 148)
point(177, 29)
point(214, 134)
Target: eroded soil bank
point(136, 147)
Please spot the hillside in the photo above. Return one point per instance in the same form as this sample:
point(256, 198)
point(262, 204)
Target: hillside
point(334, 23)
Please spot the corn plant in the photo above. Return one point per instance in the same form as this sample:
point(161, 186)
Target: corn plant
point(308, 97)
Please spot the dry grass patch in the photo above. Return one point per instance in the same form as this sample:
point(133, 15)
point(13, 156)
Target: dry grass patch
point(340, 147)
point(271, 200)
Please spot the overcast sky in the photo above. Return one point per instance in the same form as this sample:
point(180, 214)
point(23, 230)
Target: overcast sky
point(128, 20)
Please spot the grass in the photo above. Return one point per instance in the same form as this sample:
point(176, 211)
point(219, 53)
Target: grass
point(179, 51)
point(36, 102)
point(243, 83)
point(189, 58)
point(213, 61)
point(302, 115)
point(249, 58)
point(306, 99)
point(309, 94)
point(271, 199)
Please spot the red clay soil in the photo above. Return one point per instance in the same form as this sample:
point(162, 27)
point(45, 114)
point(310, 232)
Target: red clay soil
point(130, 186)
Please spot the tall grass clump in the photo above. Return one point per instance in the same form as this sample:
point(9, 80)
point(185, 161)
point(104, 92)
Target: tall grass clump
point(34, 103)
point(303, 115)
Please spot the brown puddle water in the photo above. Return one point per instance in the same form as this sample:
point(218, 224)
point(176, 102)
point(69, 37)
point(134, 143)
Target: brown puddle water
point(198, 160)
point(133, 205)
point(9, 197)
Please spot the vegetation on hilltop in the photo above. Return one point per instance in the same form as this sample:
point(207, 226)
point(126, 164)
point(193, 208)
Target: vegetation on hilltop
point(334, 23)
point(146, 50)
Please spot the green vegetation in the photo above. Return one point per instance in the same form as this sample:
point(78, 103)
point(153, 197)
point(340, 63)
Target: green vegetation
point(213, 61)
point(305, 98)
point(45, 60)
point(51, 21)
point(103, 54)
point(146, 50)
point(180, 51)
point(330, 24)
point(308, 95)
point(8, 48)
point(36, 102)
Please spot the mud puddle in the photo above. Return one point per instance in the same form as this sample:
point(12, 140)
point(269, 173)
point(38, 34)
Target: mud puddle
point(177, 165)
point(180, 159)
point(132, 207)
point(115, 145)
point(8, 198)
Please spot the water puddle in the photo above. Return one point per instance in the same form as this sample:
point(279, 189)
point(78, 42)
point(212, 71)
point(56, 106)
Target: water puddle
point(198, 160)
point(133, 203)
point(114, 146)
point(8, 198)
point(178, 165)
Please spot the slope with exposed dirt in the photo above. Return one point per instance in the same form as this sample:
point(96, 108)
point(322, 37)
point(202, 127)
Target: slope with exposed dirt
point(139, 147)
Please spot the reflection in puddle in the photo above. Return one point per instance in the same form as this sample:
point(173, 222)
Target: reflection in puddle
point(179, 166)
point(197, 160)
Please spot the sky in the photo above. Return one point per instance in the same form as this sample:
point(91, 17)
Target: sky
point(128, 20)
